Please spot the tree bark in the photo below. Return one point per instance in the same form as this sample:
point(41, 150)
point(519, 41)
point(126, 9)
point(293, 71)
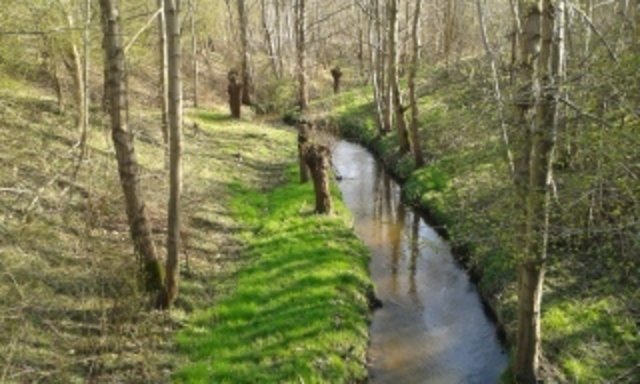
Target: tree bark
point(375, 61)
point(317, 157)
point(303, 93)
point(303, 139)
point(139, 226)
point(396, 104)
point(245, 70)
point(336, 73)
point(548, 24)
point(416, 146)
point(271, 50)
point(234, 89)
point(194, 52)
point(387, 118)
point(164, 89)
point(172, 17)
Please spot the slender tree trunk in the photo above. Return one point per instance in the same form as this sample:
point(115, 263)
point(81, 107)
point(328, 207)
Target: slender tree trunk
point(279, 38)
point(164, 95)
point(271, 50)
point(497, 93)
point(194, 51)
point(374, 46)
point(416, 146)
point(515, 38)
point(172, 15)
point(546, 22)
point(396, 104)
point(139, 226)
point(388, 45)
point(73, 63)
point(247, 83)
point(303, 93)
point(85, 79)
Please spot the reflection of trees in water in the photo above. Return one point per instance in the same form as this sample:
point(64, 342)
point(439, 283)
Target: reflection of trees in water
point(414, 251)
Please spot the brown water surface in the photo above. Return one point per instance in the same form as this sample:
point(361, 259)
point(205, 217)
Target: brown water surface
point(432, 327)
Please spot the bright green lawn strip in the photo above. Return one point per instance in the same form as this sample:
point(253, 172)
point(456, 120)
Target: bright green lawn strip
point(299, 312)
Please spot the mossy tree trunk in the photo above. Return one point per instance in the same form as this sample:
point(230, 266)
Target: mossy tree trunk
point(336, 73)
point(543, 47)
point(234, 89)
point(303, 139)
point(139, 226)
point(317, 157)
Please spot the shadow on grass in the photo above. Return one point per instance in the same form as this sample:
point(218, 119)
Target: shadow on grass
point(299, 312)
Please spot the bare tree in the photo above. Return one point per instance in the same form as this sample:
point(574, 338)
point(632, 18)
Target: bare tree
point(416, 144)
point(139, 226)
point(172, 16)
point(542, 58)
point(497, 93)
point(396, 104)
point(247, 83)
point(162, 49)
point(301, 70)
point(194, 51)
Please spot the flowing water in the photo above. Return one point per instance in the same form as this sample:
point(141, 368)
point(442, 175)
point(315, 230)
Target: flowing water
point(431, 327)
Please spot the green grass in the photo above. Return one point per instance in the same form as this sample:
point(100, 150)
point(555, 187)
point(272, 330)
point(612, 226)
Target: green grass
point(299, 312)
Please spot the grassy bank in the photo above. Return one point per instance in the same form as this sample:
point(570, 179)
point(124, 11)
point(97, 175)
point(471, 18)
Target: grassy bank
point(590, 312)
point(299, 311)
point(70, 308)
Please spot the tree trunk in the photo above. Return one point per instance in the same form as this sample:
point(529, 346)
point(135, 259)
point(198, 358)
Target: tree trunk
point(234, 89)
point(125, 151)
point(164, 89)
point(317, 157)
point(396, 104)
point(497, 93)
point(247, 83)
point(413, 100)
point(303, 93)
point(303, 139)
point(375, 59)
point(194, 52)
point(336, 73)
point(387, 83)
point(172, 16)
point(543, 21)
point(85, 80)
point(271, 50)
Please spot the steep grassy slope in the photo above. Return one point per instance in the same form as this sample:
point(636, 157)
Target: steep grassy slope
point(590, 309)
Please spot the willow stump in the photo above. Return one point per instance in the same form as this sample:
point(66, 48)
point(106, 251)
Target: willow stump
point(316, 157)
point(235, 93)
point(336, 73)
point(304, 131)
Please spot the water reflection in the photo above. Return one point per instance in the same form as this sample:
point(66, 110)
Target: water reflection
point(431, 328)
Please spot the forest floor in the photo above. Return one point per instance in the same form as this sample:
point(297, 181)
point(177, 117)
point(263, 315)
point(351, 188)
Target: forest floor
point(590, 308)
point(258, 272)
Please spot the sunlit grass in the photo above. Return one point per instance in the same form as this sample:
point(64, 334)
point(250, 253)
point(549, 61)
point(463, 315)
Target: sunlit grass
point(299, 312)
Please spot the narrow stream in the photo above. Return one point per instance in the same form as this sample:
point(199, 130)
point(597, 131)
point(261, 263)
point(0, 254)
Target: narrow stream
point(432, 327)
